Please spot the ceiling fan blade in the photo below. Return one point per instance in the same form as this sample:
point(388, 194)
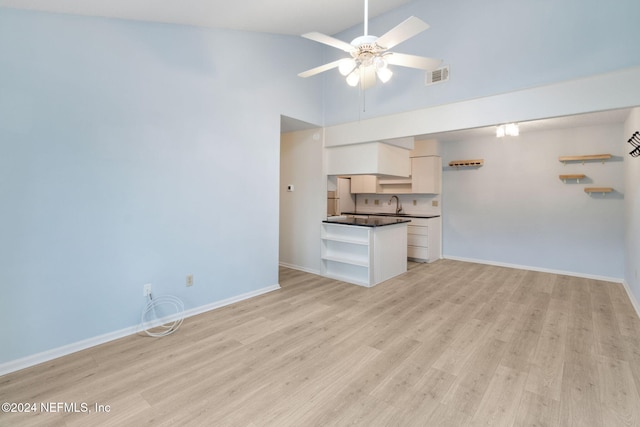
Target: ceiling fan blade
point(320, 69)
point(412, 61)
point(403, 31)
point(328, 40)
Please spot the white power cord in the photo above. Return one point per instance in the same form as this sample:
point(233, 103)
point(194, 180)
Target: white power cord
point(160, 327)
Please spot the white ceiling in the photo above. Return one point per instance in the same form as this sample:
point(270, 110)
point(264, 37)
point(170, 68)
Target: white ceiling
point(293, 17)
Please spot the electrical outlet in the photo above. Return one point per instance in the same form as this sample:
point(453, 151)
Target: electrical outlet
point(434, 203)
point(147, 289)
point(376, 202)
point(189, 281)
point(415, 203)
point(366, 201)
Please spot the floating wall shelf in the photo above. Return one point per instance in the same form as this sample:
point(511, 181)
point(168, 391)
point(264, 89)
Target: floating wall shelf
point(590, 157)
point(467, 163)
point(576, 176)
point(602, 190)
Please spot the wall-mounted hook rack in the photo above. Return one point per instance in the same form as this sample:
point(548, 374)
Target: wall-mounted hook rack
point(466, 163)
point(635, 141)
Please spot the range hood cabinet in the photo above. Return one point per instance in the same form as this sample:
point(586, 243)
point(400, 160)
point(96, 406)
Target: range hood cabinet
point(371, 158)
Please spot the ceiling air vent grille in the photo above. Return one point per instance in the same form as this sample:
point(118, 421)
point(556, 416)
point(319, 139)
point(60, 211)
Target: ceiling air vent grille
point(437, 76)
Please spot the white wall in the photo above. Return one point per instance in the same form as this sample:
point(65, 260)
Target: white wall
point(302, 210)
point(515, 210)
point(136, 153)
point(632, 209)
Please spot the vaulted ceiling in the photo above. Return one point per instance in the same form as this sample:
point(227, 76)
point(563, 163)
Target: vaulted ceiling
point(292, 17)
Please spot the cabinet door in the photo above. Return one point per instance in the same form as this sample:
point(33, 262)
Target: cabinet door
point(364, 184)
point(426, 175)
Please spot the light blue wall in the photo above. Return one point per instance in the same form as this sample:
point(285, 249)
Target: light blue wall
point(136, 153)
point(515, 209)
point(492, 47)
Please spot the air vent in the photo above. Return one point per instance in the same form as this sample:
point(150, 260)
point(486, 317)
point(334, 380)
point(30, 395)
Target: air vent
point(437, 76)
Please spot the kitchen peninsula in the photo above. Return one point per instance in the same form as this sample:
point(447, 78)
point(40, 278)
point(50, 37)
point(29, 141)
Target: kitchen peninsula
point(364, 251)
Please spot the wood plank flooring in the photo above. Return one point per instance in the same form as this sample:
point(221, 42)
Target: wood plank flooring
point(446, 344)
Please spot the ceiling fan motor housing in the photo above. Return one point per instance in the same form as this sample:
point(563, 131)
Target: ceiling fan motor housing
point(366, 49)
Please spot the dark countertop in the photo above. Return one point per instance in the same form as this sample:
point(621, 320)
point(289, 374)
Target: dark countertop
point(368, 222)
point(391, 214)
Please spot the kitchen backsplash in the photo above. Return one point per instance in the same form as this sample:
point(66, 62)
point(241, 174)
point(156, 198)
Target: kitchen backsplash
point(366, 203)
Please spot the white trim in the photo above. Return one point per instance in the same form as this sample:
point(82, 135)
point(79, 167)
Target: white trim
point(615, 89)
point(542, 270)
point(632, 297)
point(296, 267)
point(45, 356)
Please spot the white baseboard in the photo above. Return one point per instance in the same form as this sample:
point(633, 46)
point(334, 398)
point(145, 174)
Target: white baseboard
point(45, 356)
point(632, 297)
point(627, 288)
point(542, 270)
point(297, 267)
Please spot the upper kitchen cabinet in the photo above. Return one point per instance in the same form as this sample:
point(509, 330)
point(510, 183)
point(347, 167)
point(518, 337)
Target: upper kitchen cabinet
point(371, 158)
point(367, 184)
point(426, 175)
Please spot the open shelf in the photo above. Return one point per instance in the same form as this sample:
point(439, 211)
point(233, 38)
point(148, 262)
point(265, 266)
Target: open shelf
point(589, 157)
point(346, 240)
point(602, 190)
point(346, 260)
point(576, 176)
point(466, 163)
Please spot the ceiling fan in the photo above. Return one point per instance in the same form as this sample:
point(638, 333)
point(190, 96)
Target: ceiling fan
point(370, 55)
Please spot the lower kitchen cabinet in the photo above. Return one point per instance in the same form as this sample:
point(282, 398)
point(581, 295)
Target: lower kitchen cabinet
point(423, 239)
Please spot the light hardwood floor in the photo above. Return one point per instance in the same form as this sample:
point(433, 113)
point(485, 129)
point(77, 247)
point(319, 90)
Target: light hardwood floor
point(446, 344)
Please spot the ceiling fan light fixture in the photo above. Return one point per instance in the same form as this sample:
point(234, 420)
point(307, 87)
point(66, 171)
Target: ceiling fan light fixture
point(379, 62)
point(346, 66)
point(384, 74)
point(354, 78)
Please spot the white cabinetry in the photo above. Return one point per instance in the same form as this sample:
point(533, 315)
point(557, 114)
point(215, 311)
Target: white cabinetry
point(368, 158)
point(363, 256)
point(364, 184)
point(426, 175)
point(423, 239)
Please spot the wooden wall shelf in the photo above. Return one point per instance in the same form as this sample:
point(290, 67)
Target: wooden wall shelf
point(589, 157)
point(602, 190)
point(576, 176)
point(467, 163)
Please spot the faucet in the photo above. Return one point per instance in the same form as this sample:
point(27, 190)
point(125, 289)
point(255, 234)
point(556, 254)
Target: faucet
point(398, 205)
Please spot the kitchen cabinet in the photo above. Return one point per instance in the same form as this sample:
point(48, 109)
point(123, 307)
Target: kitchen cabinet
point(426, 175)
point(364, 184)
point(372, 158)
point(363, 256)
point(423, 239)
